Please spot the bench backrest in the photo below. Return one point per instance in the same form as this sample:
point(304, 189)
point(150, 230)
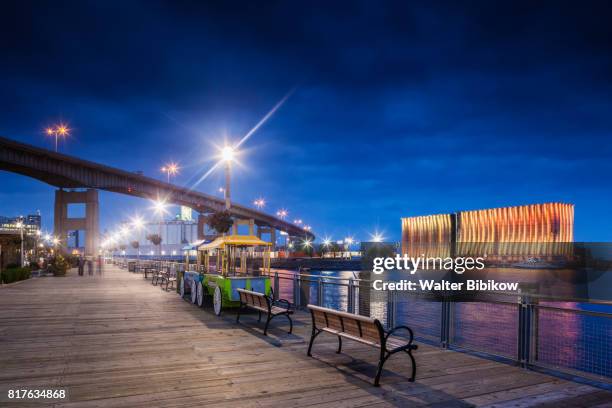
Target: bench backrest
point(367, 329)
point(250, 298)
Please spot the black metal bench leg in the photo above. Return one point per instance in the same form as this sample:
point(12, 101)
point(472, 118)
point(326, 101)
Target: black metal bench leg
point(409, 352)
point(267, 324)
point(238, 315)
point(290, 323)
point(259, 318)
point(381, 363)
point(313, 335)
point(339, 345)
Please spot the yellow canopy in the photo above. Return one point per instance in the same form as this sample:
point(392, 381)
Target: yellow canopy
point(221, 242)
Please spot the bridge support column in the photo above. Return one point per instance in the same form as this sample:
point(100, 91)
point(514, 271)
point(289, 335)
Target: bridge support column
point(201, 226)
point(90, 224)
point(250, 222)
point(267, 230)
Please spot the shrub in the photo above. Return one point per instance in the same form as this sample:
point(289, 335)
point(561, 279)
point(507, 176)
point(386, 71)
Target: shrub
point(15, 274)
point(59, 265)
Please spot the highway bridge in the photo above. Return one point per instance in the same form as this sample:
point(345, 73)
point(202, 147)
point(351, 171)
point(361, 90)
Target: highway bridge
point(69, 172)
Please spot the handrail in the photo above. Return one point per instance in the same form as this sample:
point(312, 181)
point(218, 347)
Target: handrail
point(332, 280)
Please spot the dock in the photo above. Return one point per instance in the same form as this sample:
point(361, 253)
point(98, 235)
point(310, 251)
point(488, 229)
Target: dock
point(114, 340)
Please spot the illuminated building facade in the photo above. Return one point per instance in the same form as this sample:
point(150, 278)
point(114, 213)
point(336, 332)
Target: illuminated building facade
point(510, 233)
point(31, 224)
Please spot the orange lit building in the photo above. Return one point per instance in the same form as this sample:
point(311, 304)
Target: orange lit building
point(510, 233)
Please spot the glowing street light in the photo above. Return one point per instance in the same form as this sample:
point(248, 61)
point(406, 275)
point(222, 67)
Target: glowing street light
point(297, 222)
point(170, 170)
point(326, 241)
point(377, 237)
point(259, 203)
point(137, 222)
point(160, 207)
point(348, 241)
point(282, 213)
point(57, 131)
point(227, 153)
point(307, 228)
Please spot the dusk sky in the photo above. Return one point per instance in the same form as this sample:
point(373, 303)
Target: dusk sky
point(391, 110)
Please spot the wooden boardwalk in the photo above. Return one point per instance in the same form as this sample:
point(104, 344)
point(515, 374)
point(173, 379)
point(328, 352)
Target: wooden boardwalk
point(117, 341)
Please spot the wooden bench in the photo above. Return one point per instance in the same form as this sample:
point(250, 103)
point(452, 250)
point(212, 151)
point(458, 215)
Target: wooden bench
point(168, 277)
point(264, 304)
point(362, 329)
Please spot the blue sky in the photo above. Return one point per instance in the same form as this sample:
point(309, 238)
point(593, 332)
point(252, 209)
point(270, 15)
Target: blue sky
point(393, 110)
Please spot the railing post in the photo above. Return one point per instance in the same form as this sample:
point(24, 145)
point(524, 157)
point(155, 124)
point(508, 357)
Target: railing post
point(526, 331)
point(296, 290)
point(351, 296)
point(445, 326)
point(320, 291)
point(390, 309)
point(276, 286)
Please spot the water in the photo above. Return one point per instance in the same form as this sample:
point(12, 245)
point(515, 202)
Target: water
point(567, 335)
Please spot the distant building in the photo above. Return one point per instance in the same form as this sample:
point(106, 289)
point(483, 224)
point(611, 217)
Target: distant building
point(175, 235)
point(508, 233)
point(31, 224)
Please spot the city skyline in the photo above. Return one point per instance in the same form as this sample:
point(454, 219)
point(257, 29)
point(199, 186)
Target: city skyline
point(430, 110)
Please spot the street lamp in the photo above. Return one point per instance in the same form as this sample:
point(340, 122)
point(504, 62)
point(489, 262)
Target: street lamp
point(282, 213)
point(137, 223)
point(377, 237)
point(227, 154)
point(170, 170)
point(57, 131)
point(20, 226)
point(349, 242)
point(159, 207)
point(259, 203)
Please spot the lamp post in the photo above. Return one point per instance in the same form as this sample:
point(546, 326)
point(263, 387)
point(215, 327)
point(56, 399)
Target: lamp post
point(57, 131)
point(259, 203)
point(159, 207)
point(20, 226)
point(170, 170)
point(228, 155)
point(349, 242)
point(137, 223)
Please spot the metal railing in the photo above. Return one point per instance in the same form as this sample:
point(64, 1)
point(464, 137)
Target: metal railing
point(558, 334)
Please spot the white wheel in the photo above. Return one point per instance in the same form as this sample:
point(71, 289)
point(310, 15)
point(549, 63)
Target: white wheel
point(200, 292)
point(217, 301)
point(182, 288)
point(194, 292)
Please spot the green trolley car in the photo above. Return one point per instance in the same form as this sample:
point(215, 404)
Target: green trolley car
point(226, 264)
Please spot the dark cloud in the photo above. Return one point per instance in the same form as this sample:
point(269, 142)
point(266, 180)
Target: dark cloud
point(398, 108)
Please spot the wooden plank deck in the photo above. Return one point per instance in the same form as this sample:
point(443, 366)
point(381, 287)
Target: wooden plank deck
point(117, 341)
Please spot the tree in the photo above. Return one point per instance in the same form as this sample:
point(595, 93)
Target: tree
point(220, 221)
point(155, 240)
point(136, 245)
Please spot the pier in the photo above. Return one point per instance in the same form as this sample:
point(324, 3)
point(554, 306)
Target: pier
point(113, 339)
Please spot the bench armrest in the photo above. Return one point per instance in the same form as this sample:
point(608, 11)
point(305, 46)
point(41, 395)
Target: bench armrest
point(390, 332)
point(281, 302)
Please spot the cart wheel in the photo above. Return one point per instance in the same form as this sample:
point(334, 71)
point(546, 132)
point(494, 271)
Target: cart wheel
point(182, 288)
point(200, 297)
point(194, 292)
point(217, 301)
